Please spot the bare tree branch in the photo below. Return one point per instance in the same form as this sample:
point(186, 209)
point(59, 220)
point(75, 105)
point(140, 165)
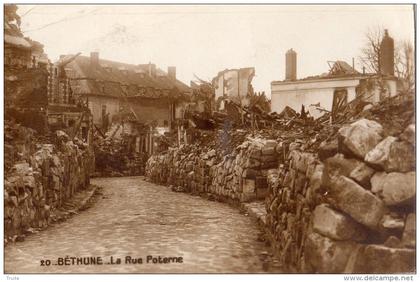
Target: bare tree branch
point(371, 52)
point(404, 64)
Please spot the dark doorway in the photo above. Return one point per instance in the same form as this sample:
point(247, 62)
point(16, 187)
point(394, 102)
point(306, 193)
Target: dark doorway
point(339, 103)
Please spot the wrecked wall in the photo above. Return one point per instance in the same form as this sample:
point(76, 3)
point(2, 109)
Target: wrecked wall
point(147, 110)
point(40, 178)
point(347, 207)
point(237, 176)
point(97, 103)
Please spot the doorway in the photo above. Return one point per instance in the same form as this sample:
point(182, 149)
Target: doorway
point(339, 103)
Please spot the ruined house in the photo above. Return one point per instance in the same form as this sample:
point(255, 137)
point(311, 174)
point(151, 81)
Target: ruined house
point(119, 94)
point(65, 110)
point(341, 85)
point(38, 93)
point(235, 85)
point(108, 87)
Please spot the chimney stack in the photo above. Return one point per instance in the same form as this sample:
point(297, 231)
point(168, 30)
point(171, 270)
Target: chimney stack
point(94, 59)
point(386, 58)
point(172, 73)
point(291, 65)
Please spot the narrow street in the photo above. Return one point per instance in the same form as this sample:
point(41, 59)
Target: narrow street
point(136, 218)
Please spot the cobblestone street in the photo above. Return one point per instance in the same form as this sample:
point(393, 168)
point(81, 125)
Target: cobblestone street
point(136, 218)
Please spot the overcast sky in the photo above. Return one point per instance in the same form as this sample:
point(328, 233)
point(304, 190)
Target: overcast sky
point(204, 40)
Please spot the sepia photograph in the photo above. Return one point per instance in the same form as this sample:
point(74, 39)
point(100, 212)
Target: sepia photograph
point(209, 139)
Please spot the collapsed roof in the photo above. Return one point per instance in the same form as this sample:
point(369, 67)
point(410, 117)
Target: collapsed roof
point(110, 78)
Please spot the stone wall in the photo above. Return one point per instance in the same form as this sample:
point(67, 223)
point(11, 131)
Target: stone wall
point(345, 207)
point(41, 179)
point(294, 192)
point(351, 207)
point(238, 176)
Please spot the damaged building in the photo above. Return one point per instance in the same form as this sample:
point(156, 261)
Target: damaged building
point(37, 92)
point(25, 77)
point(131, 105)
point(341, 85)
point(152, 95)
point(234, 85)
point(66, 110)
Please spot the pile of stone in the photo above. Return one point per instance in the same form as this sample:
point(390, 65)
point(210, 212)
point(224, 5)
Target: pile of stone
point(340, 198)
point(240, 175)
point(114, 158)
point(50, 176)
point(370, 211)
point(292, 196)
point(350, 207)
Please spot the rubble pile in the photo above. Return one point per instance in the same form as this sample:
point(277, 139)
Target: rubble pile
point(239, 176)
point(293, 194)
point(341, 210)
point(113, 158)
point(43, 178)
point(340, 198)
point(367, 210)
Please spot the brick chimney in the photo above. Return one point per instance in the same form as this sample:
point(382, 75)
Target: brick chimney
point(291, 65)
point(172, 73)
point(386, 58)
point(94, 59)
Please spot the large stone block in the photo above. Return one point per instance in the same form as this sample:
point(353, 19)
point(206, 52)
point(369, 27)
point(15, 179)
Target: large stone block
point(409, 134)
point(395, 188)
point(328, 149)
point(267, 150)
point(392, 155)
point(393, 222)
point(336, 225)
point(402, 157)
point(360, 204)
point(301, 161)
point(337, 166)
point(359, 137)
point(362, 174)
point(382, 259)
point(325, 255)
point(380, 153)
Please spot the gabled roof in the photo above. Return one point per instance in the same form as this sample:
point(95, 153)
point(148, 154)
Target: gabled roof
point(109, 78)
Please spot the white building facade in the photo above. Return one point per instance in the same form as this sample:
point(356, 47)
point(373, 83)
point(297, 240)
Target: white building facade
point(318, 93)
